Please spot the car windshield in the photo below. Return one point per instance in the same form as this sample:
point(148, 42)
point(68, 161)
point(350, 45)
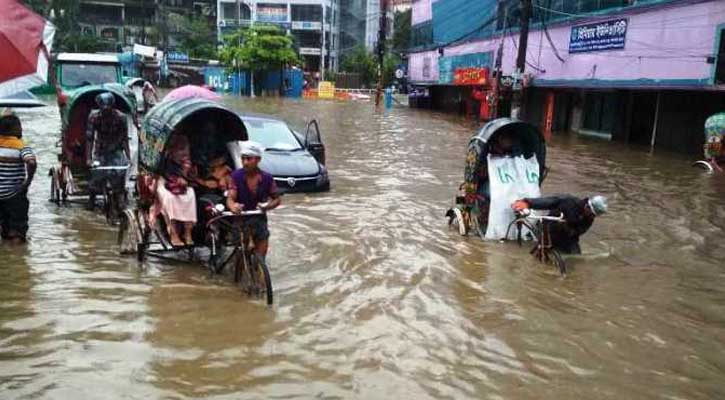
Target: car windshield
point(273, 135)
point(76, 75)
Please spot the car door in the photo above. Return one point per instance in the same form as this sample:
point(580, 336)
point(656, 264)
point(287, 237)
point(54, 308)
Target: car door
point(313, 141)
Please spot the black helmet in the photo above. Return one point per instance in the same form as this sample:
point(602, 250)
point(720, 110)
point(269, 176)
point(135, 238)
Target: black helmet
point(105, 100)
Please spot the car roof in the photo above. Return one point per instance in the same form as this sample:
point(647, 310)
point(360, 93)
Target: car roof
point(88, 57)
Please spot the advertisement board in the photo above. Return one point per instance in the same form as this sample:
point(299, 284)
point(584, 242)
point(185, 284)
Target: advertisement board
point(605, 35)
point(271, 13)
point(326, 90)
point(306, 26)
point(471, 76)
point(448, 65)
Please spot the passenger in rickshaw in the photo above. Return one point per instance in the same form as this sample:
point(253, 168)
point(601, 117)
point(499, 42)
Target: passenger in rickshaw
point(176, 200)
point(252, 189)
point(107, 134)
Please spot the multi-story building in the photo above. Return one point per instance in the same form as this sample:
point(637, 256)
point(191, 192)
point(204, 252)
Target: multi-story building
point(314, 24)
point(639, 71)
point(126, 22)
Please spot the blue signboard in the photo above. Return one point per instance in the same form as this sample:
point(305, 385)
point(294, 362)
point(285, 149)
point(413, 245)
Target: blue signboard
point(177, 57)
point(606, 35)
point(447, 65)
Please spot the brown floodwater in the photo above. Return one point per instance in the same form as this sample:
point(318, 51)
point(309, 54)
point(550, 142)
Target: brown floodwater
point(375, 297)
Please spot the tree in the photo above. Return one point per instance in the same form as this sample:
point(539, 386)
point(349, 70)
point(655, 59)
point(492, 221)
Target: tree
point(361, 62)
point(65, 16)
point(258, 48)
point(197, 38)
point(401, 31)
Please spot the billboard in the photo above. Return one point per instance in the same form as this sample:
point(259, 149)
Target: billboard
point(271, 13)
point(605, 35)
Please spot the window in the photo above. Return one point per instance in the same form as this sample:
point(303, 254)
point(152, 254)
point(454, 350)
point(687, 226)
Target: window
point(426, 67)
point(307, 13)
point(720, 57)
point(273, 135)
point(77, 75)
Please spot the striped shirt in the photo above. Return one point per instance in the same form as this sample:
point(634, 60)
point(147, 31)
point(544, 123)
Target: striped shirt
point(12, 169)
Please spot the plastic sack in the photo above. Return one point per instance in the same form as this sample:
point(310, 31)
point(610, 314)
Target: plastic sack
point(511, 178)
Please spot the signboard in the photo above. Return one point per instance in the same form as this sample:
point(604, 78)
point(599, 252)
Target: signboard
point(272, 13)
point(306, 26)
point(177, 57)
point(146, 51)
point(470, 76)
point(310, 51)
point(606, 35)
point(507, 81)
point(448, 65)
point(326, 90)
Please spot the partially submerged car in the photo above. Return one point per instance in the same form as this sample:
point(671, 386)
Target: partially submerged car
point(296, 161)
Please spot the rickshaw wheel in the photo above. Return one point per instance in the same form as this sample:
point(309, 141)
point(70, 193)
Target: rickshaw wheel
point(55, 196)
point(704, 165)
point(555, 259)
point(129, 233)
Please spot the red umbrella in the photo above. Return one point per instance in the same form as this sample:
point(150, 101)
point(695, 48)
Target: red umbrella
point(188, 91)
point(25, 41)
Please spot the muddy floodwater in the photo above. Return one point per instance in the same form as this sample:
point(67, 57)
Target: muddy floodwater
point(375, 297)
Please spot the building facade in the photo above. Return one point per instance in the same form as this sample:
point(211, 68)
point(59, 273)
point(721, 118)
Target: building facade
point(148, 22)
point(645, 72)
point(314, 25)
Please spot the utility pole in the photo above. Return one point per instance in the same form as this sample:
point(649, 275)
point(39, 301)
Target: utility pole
point(381, 48)
point(521, 58)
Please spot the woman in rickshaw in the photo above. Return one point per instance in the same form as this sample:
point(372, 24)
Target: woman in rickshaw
point(175, 195)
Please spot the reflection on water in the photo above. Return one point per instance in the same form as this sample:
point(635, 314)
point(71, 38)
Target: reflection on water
point(376, 298)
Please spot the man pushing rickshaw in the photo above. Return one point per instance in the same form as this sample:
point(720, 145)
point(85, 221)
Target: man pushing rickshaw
point(505, 166)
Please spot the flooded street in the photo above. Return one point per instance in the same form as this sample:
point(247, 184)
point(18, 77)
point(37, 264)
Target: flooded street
point(375, 297)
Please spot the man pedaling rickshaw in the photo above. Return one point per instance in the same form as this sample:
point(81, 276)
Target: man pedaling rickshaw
point(578, 214)
point(107, 142)
point(253, 189)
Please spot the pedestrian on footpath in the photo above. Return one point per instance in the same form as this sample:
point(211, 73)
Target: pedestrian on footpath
point(17, 169)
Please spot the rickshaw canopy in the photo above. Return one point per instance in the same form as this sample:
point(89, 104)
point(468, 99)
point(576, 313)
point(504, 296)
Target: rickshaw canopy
point(168, 116)
point(715, 126)
point(125, 99)
point(530, 142)
point(530, 139)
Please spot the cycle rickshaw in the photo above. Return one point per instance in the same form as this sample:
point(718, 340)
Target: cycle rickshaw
point(470, 212)
point(714, 148)
point(72, 180)
point(213, 132)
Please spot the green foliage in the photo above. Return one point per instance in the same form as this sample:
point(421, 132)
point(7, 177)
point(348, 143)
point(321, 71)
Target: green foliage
point(197, 38)
point(261, 47)
point(65, 16)
point(363, 63)
point(390, 63)
point(401, 33)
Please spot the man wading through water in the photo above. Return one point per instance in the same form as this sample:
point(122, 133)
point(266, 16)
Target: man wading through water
point(17, 169)
point(253, 189)
point(578, 215)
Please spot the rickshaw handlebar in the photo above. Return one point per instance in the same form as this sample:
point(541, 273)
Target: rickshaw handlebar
point(527, 214)
point(242, 213)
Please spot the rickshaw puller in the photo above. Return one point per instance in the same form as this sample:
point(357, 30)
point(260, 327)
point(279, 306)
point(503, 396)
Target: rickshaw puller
point(252, 189)
point(578, 215)
point(107, 134)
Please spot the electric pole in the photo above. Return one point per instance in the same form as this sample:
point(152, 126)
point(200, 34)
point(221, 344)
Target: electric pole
point(381, 48)
point(525, 8)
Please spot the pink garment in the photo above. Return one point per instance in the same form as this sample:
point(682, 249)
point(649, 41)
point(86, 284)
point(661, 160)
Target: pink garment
point(175, 207)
